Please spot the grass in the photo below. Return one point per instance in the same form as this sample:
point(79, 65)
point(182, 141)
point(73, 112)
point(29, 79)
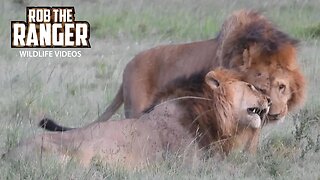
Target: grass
point(313, 31)
point(75, 91)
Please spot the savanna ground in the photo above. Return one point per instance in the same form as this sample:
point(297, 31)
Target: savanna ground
point(75, 90)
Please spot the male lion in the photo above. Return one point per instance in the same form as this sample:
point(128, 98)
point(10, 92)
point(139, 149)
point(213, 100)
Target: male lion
point(223, 114)
point(244, 33)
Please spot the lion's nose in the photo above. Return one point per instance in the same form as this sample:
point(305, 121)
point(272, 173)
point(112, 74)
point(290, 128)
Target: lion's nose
point(269, 101)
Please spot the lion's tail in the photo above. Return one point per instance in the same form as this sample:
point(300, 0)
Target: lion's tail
point(50, 125)
point(113, 107)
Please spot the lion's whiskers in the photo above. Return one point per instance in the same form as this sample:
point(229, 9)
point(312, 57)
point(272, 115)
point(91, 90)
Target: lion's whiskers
point(182, 98)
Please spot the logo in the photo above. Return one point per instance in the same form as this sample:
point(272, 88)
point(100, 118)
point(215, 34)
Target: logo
point(50, 27)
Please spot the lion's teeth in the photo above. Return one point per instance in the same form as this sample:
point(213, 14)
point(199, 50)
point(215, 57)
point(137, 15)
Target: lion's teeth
point(254, 110)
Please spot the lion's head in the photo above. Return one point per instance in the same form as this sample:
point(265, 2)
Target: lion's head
point(266, 56)
point(218, 105)
point(276, 76)
point(236, 103)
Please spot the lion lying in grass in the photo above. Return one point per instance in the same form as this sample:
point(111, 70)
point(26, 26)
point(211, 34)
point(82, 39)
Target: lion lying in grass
point(218, 112)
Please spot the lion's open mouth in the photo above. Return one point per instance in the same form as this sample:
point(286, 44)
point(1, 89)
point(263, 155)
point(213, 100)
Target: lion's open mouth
point(255, 110)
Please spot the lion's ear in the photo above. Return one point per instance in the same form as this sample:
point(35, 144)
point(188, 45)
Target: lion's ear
point(248, 55)
point(247, 59)
point(212, 80)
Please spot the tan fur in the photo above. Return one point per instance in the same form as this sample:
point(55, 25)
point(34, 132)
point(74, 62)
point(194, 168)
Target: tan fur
point(285, 86)
point(217, 119)
point(244, 32)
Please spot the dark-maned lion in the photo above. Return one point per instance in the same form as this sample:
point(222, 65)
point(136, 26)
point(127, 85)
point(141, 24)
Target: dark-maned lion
point(223, 114)
point(243, 33)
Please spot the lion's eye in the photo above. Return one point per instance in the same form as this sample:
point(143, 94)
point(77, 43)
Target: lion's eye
point(282, 87)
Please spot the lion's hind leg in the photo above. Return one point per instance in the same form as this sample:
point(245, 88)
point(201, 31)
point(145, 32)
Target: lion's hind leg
point(34, 148)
